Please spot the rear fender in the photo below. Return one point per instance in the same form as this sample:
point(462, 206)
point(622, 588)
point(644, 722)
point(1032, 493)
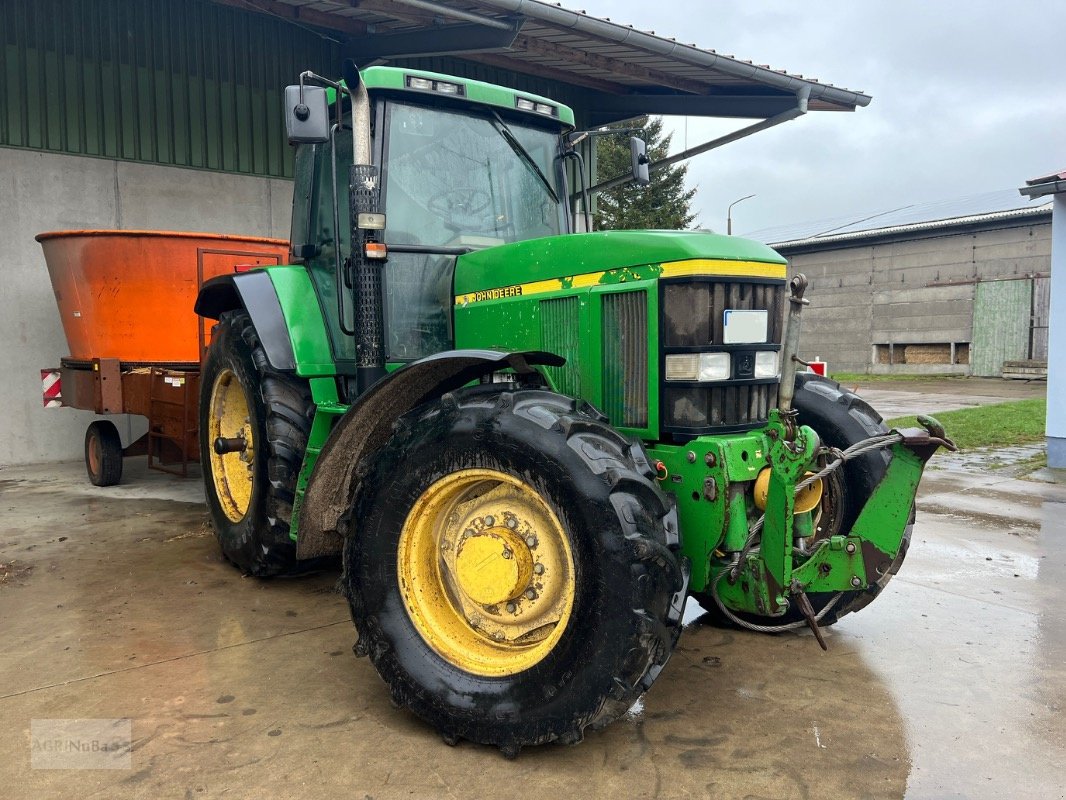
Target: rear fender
point(253, 292)
point(368, 424)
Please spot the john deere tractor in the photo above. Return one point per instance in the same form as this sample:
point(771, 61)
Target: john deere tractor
point(530, 445)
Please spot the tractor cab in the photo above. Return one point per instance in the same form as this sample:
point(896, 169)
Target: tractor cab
point(464, 166)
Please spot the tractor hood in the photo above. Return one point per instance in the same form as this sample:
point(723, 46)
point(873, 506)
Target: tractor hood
point(561, 257)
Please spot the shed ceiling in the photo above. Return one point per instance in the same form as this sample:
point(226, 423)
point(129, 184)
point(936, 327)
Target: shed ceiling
point(619, 71)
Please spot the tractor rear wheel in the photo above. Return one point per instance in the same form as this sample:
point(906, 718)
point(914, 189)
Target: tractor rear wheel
point(254, 424)
point(841, 418)
point(512, 568)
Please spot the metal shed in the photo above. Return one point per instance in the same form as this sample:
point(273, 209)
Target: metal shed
point(165, 114)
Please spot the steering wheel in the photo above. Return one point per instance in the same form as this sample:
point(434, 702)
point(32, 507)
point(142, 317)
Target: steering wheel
point(461, 202)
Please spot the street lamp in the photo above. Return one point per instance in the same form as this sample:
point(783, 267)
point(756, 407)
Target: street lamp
point(729, 214)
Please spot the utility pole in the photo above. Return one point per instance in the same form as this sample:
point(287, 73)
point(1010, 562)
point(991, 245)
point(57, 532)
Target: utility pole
point(729, 214)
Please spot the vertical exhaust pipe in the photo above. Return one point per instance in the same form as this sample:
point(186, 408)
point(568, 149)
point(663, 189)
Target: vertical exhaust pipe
point(364, 192)
point(790, 350)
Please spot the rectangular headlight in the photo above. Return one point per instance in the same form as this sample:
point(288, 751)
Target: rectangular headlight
point(419, 83)
point(524, 104)
point(766, 364)
point(698, 367)
point(683, 367)
point(715, 366)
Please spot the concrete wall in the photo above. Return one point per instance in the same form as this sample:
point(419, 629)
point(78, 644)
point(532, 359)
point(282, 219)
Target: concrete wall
point(912, 291)
point(47, 191)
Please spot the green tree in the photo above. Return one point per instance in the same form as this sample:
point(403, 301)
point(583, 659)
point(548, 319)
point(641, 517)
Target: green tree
point(664, 204)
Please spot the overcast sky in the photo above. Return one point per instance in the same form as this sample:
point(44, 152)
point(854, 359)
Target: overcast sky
point(968, 97)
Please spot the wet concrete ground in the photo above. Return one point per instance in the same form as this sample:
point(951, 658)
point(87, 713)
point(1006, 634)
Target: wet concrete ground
point(115, 603)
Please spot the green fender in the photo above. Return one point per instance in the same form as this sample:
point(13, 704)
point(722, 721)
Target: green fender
point(286, 313)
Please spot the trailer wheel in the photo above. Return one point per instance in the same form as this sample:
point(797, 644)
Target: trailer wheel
point(512, 568)
point(254, 424)
point(103, 453)
point(841, 419)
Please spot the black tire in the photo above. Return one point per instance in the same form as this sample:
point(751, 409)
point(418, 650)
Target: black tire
point(280, 416)
point(841, 418)
point(629, 580)
point(103, 453)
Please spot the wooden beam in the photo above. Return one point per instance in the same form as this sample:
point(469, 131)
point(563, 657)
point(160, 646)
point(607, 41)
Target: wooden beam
point(617, 66)
point(300, 15)
point(542, 71)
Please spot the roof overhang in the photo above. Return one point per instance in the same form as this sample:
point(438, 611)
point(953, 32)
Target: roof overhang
point(622, 72)
point(1049, 184)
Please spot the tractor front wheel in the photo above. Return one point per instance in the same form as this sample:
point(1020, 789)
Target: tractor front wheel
point(254, 424)
point(512, 568)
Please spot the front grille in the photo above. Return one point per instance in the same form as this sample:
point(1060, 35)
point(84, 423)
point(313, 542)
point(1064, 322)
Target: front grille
point(734, 407)
point(692, 311)
point(625, 358)
point(559, 332)
point(693, 321)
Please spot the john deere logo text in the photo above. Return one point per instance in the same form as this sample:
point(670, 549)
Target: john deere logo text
point(498, 294)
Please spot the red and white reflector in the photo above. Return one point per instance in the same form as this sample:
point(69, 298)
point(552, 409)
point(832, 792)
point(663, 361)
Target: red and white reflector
point(818, 367)
point(51, 388)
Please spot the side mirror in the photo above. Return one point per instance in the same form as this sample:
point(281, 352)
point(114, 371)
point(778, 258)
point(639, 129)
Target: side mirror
point(306, 114)
point(638, 150)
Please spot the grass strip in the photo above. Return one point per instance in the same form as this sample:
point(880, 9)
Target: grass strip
point(851, 378)
point(999, 425)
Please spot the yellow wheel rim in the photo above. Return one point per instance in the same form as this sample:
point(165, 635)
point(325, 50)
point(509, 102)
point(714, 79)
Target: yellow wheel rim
point(486, 572)
point(233, 473)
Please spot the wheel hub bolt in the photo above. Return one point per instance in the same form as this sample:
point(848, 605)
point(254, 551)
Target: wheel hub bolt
point(530, 594)
point(512, 523)
point(507, 552)
point(531, 541)
point(468, 533)
point(490, 521)
point(511, 608)
point(538, 569)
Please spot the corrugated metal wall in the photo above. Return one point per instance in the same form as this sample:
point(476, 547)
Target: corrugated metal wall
point(189, 83)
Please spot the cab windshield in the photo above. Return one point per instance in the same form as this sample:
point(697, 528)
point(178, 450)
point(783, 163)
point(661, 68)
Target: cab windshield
point(457, 179)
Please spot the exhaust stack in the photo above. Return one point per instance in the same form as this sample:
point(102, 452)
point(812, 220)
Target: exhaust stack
point(366, 219)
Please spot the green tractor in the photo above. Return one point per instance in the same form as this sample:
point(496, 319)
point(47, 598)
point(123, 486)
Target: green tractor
point(530, 445)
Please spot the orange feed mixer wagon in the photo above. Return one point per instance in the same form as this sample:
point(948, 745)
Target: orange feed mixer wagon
point(126, 300)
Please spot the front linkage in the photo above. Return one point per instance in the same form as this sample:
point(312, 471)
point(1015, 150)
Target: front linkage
point(767, 578)
point(756, 568)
